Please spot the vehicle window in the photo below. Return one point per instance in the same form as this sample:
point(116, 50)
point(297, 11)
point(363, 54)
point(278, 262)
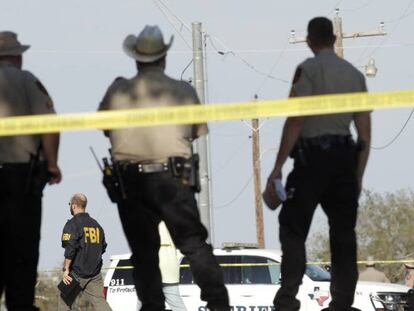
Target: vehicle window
point(316, 273)
point(259, 270)
point(231, 274)
point(236, 270)
point(186, 277)
point(122, 277)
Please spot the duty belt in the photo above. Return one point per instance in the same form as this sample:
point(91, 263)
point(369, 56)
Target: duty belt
point(17, 165)
point(145, 168)
point(327, 141)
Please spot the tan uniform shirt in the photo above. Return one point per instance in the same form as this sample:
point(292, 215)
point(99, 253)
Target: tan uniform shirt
point(169, 265)
point(373, 275)
point(326, 73)
point(151, 88)
point(21, 93)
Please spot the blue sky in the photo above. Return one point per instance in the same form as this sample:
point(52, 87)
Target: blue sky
point(76, 52)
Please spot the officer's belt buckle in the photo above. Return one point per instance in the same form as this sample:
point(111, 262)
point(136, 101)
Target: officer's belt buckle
point(152, 167)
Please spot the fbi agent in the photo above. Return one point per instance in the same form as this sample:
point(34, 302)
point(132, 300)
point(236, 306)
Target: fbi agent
point(26, 164)
point(157, 172)
point(84, 242)
point(328, 170)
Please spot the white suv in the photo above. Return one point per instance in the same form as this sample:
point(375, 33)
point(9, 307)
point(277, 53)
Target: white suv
point(252, 277)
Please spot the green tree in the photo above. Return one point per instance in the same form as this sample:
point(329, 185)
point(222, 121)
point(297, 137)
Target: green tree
point(385, 231)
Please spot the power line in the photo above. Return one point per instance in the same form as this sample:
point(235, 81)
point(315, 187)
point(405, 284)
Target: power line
point(227, 51)
point(238, 195)
point(398, 134)
point(185, 69)
point(244, 51)
point(182, 22)
point(243, 189)
point(400, 18)
point(178, 31)
point(235, 153)
point(361, 56)
point(277, 61)
point(359, 7)
point(397, 21)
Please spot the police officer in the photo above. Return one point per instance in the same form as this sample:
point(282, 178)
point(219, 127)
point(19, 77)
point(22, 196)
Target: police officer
point(84, 242)
point(328, 170)
point(154, 165)
point(27, 163)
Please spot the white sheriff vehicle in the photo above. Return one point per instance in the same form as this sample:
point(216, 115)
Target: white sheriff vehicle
point(252, 277)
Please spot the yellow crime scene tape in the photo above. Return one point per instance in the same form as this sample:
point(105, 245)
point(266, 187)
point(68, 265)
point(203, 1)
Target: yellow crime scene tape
point(315, 263)
point(192, 114)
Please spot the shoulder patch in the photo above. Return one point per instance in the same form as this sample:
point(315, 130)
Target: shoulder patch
point(66, 237)
point(41, 87)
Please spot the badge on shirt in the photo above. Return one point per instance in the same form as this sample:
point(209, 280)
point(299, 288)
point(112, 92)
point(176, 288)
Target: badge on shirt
point(49, 103)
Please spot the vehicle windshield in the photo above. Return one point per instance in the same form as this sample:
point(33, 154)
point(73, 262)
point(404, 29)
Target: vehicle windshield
point(241, 269)
point(317, 274)
point(245, 269)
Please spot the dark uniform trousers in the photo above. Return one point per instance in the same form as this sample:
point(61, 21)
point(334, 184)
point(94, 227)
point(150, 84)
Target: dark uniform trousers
point(150, 198)
point(327, 177)
point(19, 237)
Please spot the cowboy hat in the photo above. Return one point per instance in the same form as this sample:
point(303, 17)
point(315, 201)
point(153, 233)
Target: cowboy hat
point(148, 47)
point(9, 45)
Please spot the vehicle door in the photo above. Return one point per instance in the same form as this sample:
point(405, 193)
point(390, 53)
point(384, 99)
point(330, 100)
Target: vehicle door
point(121, 294)
point(314, 293)
point(252, 282)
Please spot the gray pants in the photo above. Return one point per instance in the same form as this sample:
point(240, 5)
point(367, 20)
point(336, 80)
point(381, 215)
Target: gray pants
point(172, 297)
point(92, 290)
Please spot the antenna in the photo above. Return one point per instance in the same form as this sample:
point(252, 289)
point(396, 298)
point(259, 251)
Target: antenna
point(96, 158)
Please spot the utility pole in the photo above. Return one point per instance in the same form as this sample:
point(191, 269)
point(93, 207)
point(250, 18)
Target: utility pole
point(257, 181)
point(340, 35)
point(202, 143)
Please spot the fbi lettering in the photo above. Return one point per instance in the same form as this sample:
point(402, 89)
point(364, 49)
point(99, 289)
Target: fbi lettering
point(91, 235)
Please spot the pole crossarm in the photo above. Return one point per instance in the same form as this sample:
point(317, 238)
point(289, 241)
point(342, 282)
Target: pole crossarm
point(353, 35)
point(340, 35)
point(348, 35)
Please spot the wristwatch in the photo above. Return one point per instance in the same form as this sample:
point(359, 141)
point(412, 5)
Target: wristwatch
point(64, 269)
